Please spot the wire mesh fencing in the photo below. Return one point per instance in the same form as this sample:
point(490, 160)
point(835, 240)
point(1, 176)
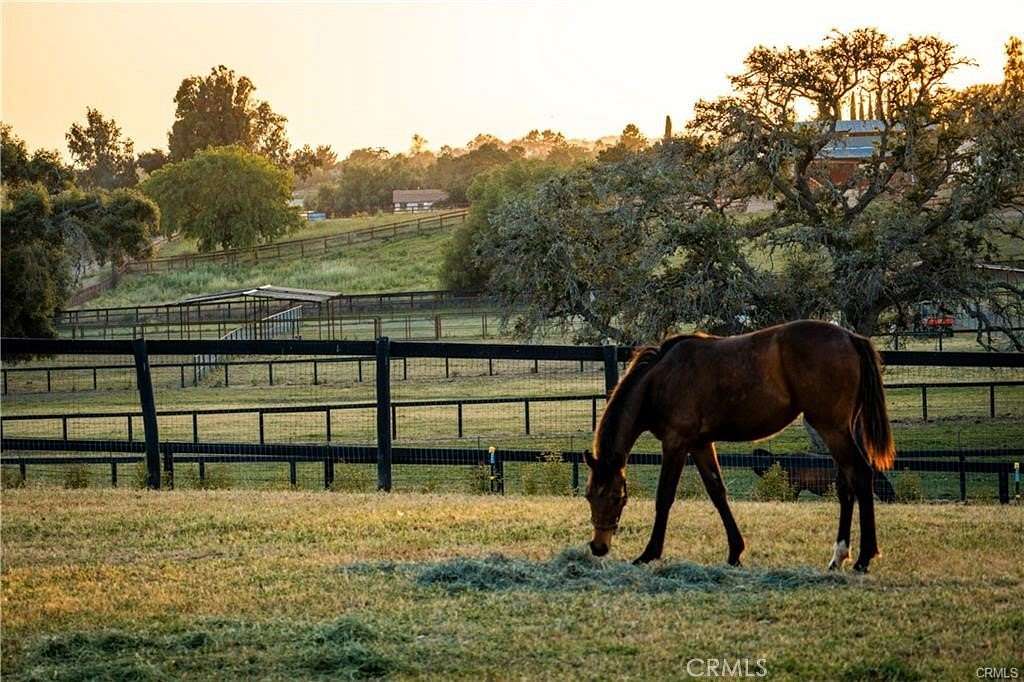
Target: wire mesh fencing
point(442, 417)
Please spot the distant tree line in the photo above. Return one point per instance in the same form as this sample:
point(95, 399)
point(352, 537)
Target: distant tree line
point(363, 182)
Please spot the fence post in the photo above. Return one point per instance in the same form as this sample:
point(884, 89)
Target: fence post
point(611, 367)
point(384, 413)
point(992, 401)
point(1004, 484)
point(169, 466)
point(963, 478)
point(924, 403)
point(575, 474)
point(145, 384)
point(328, 469)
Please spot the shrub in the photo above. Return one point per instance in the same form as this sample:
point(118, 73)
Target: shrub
point(773, 486)
point(354, 478)
point(137, 477)
point(215, 478)
point(547, 477)
point(480, 479)
point(12, 478)
point(690, 486)
point(76, 476)
point(908, 487)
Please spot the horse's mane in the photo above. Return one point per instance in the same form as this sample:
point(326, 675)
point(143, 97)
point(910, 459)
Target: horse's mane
point(643, 358)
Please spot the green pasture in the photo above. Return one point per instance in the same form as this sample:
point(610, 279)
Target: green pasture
point(125, 584)
point(307, 230)
point(399, 264)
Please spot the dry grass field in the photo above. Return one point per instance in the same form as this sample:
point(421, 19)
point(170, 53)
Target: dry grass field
point(117, 584)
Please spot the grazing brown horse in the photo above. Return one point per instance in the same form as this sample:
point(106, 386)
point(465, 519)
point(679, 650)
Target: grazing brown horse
point(693, 390)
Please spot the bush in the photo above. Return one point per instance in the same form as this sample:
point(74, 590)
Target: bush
point(908, 487)
point(12, 478)
point(354, 478)
point(215, 478)
point(690, 486)
point(773, 486)
point(76, 476)
point(480, 479)
point(547, 477)
point(138, 478)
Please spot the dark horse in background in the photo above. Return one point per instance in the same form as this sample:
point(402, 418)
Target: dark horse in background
point(818, 481)
point(693, 390)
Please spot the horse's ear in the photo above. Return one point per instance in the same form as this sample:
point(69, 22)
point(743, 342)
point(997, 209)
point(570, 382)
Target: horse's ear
point(589, 458)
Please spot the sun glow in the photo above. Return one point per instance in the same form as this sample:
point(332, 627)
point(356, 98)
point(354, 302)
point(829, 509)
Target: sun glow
point(373, 74)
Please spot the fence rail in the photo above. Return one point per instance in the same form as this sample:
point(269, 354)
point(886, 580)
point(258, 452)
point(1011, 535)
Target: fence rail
point(301, 248)
point(327, 455)
point(296, 248)
point(161, 454)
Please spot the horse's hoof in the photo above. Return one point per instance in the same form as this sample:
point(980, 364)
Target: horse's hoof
point(833, 565)
point(860, 568)
point(643, 559)
point(735, 563)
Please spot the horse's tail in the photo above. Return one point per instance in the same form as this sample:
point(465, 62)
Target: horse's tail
point(874, 419)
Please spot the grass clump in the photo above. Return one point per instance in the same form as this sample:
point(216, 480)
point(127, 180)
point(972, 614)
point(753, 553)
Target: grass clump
point(354, 478)
point(11, 478)
point(341, 649)
point(546, 477)
point(76, 476)
point(773, 486)
point(908, 487)
point(690, 486)
point(888, 670)
point(214, 478)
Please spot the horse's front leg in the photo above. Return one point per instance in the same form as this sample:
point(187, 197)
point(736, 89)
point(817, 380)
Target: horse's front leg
point(672, 461)
point(706, 460)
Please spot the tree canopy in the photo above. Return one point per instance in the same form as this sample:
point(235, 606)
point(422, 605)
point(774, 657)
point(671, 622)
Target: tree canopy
point(224, 197)
point(220, 109)
point(44, 166)
point(105, 159)
point(466, 265)
point(653, 240)
point(51, 230)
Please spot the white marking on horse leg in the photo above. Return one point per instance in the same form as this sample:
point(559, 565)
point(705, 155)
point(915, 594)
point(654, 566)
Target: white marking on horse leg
point(840, 553)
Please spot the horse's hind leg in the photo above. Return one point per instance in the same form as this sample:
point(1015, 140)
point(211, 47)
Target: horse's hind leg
point(844, 491)
point(855, 480)
point(672, 461)
point(706, 460)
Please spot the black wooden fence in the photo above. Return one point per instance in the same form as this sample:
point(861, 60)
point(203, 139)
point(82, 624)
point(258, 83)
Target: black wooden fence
point(160, 456)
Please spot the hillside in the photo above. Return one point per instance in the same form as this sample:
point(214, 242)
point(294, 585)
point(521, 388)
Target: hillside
point(308, 230)
point(402, 264)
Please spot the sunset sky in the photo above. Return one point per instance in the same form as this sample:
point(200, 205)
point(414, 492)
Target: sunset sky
point(372, 74)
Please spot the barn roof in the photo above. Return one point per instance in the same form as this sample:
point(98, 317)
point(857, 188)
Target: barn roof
point(405, 196)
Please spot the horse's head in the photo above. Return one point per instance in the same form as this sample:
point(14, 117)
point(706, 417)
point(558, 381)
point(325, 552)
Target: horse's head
point(606, 492)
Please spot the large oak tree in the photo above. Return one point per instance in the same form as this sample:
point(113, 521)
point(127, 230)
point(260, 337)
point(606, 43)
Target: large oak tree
point(631, 249)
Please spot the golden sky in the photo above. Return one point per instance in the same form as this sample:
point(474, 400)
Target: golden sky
point(372, 74)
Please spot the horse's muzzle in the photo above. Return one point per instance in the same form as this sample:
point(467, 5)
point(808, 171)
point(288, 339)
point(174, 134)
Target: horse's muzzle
point(598, 548)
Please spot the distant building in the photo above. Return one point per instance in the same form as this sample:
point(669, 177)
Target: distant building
point(858, 143)
point(417, 199)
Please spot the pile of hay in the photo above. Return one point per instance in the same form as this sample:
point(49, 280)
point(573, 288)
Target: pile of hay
point(577, 570)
